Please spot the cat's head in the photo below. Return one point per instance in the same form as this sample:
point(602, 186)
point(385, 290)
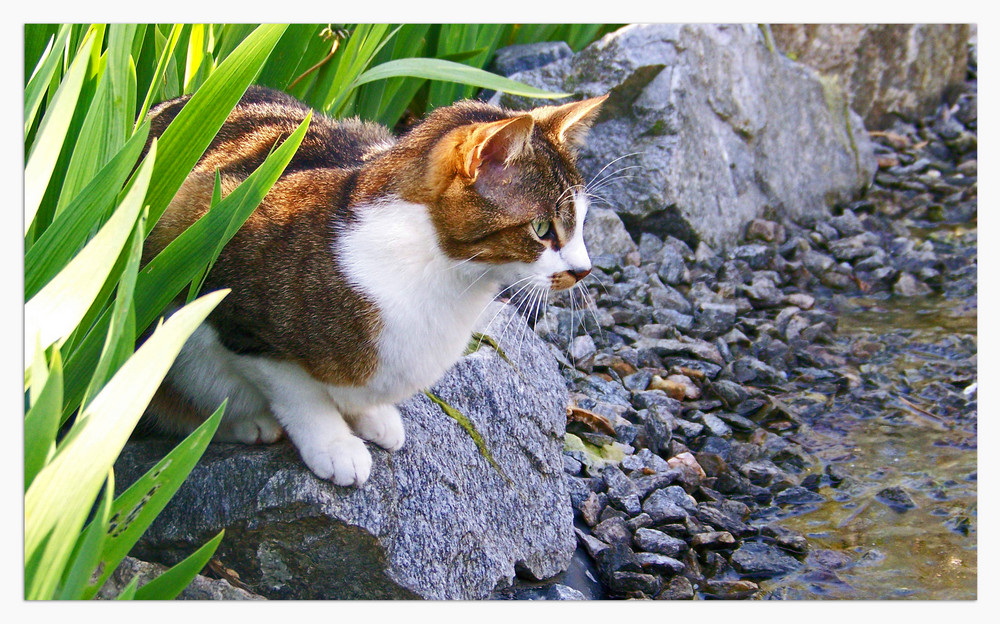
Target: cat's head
point(504, 190)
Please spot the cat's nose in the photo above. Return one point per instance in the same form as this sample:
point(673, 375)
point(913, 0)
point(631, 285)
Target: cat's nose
point(579, 274)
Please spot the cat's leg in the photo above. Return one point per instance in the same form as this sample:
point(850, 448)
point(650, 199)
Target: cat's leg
point(311, 419)
point(380, 424)
point(261, 428)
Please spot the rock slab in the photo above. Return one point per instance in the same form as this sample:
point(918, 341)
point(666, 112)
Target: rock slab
point(713, 130)
point(888, 70)
point(436, 519)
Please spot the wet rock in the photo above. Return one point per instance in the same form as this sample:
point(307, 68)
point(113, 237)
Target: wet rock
point(729, 589)
point(896, 498)
point(797, 495)
point(627, 582)
point(759, 560)
point(678, 588)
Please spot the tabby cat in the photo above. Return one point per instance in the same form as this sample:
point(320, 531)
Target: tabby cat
point(357, 280)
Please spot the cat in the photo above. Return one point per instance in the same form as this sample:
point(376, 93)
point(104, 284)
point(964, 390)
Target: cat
point(357, 280)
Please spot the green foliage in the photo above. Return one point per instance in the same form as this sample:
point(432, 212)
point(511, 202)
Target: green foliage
point(90, 201)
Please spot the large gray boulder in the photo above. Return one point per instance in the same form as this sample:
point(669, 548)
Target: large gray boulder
point(888, 70)
point(713, 130)
point(440, 518)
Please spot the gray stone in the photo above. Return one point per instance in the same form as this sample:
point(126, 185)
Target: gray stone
point(201, 588)
point(605, 233)
point(720, 129)
point(660, 564)
point(909, 286)
point(651, 540)
point(436, 519)
point(672, 268)
point(761, 560)
point(526, 56)
point(888, 70)
point(897, 498)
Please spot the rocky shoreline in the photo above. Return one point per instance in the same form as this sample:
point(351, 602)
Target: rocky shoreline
point(696, 376)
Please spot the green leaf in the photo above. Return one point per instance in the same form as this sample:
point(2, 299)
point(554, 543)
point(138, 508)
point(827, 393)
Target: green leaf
point(168, 585)
point(41, 423)
point(39, 82)
point(279, 71)
point(58, 307)
point(191, 132)
point(136, 508)
point(129, 592)
point(437, 69)
point(155, 86)
point(61, 495)
point(120, 331)
point(44, 152)
point(84, 560)
point(69, 230)
point(106, 125)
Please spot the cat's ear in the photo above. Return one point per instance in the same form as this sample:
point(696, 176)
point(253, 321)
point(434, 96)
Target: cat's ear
point(569, 123)
point(497, 142)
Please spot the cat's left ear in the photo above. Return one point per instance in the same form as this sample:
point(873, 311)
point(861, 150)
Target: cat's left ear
point(570, 123)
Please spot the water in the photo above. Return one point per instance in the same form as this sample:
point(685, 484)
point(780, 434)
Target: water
point(911, 423)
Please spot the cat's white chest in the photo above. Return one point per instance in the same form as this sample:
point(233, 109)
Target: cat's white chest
point(427, 302)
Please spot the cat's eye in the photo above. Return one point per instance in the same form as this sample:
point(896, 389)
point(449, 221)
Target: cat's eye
point(542, 228)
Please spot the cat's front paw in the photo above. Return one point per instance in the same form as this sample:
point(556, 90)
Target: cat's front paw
point(259, 429)
point(345, 461)
point(382, 425)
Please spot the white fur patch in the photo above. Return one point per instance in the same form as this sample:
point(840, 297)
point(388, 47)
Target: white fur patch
point(427, 302)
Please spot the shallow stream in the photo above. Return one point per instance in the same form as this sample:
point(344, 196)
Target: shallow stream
point(908, 426)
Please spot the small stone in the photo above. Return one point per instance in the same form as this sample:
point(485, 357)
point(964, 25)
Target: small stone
point(613, 532)
point(660, 564)
point(641, 521)
point(662, 509)
point(909, 286)
point(896, 498)
point(730, 589)
point(761, 560)
point(679, 588)
point(590, 508)
point(713, 540)
point(692, 473)
point(591, 544)
point(651, 540)
point(625, 582)
point(767, 231)
point(757, 256)
point(797, 495)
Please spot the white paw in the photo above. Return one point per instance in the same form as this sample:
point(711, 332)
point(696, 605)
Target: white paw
point(259, 429)
point(345, 460)
point(381, 425)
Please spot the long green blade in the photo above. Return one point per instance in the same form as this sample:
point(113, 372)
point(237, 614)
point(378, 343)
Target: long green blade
point(52, 132)
point(57, 309)
point(59, 499)
point(438, 69)
point(40, 78)
point(172, 582)
point(136, 508)
point(67, 233)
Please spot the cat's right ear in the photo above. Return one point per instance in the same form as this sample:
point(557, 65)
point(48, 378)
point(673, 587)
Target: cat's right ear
point(498, 142)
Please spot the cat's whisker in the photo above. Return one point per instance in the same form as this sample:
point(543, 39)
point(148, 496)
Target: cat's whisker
point(473, 284)
point(536, 298)
point(591, 307)
point(487, 306)
point(609, 164)
point(618, 175)
point(516, 313)
point(461, 262)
